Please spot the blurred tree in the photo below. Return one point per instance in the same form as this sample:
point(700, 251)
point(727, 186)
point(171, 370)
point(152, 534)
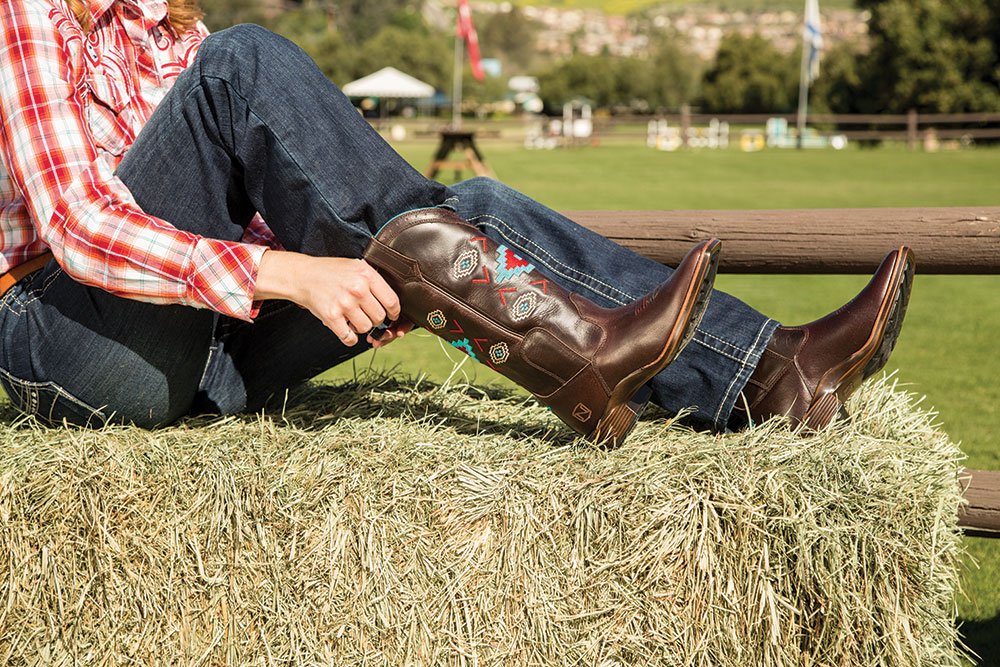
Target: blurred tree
point(510, 36)
point(674, 74)
point(836, 89)
point(750, 75)
point(636, 85)
point(360, 20)
point(931, 55)
point(312, 28)
point(425, 55)
point(221, 14)
point(590, 77)
point(490, 89)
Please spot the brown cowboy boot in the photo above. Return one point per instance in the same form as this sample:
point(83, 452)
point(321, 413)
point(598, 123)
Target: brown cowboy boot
point(589, 364)
point(807, 372)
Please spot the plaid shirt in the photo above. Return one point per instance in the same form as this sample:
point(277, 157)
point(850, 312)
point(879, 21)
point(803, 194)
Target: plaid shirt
point(71, 104)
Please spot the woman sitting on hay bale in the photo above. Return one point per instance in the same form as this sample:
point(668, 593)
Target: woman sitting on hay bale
point(143, 284)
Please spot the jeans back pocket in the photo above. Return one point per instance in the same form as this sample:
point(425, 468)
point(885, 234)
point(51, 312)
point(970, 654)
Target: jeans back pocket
point(50, 403)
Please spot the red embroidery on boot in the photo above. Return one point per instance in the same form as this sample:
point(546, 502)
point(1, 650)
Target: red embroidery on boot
point(458, 328)
point(544, 283)
point(505, 289)
point(512, 261)
point(486, 272)
point(480, 239)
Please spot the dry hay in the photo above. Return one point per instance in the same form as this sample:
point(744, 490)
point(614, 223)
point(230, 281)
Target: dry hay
point(383, 524)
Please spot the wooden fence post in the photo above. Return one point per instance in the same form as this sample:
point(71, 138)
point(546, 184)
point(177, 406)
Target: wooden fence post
point(685, 124)
point(912, 123)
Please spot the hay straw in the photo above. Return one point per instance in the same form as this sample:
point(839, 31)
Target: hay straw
point(382, 524)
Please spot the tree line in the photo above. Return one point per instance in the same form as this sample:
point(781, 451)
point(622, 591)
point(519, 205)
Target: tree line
point(935, 56)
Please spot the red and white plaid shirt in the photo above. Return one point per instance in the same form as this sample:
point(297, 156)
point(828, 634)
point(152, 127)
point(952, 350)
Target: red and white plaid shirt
point(71, 104)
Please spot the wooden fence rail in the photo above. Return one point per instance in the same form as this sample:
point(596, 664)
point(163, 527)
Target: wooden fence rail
point(981, 516)
point(899, 127)
point(945, 240)
point(909, 127)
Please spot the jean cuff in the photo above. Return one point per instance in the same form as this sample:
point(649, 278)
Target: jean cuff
point(741, 368)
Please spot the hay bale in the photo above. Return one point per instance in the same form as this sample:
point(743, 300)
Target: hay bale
point(382, 524)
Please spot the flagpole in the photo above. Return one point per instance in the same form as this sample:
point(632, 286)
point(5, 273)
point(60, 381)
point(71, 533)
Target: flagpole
point(812, 42)
point(803, 94)
point(456, 96)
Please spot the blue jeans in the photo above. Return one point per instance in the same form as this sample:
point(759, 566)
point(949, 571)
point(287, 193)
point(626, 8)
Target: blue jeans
point(253, 126)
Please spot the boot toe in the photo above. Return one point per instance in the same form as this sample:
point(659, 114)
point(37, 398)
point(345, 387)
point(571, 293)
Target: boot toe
point(807, 373)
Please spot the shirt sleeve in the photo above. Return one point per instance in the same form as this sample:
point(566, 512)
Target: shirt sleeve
point(82, 211)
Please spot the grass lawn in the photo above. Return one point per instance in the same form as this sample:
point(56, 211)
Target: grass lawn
point(946, 350)
point(628, 6)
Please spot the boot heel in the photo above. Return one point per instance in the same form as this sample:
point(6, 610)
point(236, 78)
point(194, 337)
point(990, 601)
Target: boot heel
point(822, 412)
point(618, 422)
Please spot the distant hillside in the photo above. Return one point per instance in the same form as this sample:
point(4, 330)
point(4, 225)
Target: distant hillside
point(628, 6)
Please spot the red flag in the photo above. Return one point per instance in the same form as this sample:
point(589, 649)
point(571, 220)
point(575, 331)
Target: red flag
point(467, 31)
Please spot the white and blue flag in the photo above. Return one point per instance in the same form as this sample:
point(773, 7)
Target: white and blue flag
point(812, 35)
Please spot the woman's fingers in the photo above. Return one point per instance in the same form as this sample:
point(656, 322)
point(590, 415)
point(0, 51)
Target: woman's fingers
point(359, 321)
point(342, 330)
point(385, 296)
point(373, 309)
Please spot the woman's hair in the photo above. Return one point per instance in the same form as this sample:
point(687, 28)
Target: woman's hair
point(184, 14)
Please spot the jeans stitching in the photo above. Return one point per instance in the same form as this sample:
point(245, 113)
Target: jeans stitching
point(716, 338)
point(28, 385)
point(523, 241)
point(208, 362)
point(721, 353)
point(744, 364)
point(35, 295)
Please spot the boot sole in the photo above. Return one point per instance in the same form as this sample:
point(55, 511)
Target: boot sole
point(839, 383)
point(631, 395)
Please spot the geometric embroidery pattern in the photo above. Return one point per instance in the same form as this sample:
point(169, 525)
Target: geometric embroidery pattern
point(509, 265)
point(464, 346)
point(499, 353)
point(436, 319)
point(465, 264)
point(524, 306)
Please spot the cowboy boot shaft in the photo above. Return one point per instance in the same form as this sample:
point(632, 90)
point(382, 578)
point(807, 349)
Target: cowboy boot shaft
point(585, 362)
point(491, 304)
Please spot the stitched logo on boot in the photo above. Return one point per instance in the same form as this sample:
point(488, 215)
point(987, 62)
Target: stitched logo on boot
point(582, 412)
point(465, 264)
point(436, 319)
point(499, 353)
point(509, 265)
point(524, 306)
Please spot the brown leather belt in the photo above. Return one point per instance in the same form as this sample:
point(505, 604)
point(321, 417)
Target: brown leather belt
point(9, 279)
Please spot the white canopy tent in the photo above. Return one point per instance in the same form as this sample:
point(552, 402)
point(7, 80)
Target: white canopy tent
point(389, 82)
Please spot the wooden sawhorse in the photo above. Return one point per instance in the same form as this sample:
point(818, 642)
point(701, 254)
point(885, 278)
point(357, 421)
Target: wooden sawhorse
point(458, 140)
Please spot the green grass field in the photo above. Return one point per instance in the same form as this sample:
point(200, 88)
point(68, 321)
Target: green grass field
point(629, 6)
point(946, 351)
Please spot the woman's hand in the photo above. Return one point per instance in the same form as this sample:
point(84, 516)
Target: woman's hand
point(347, 295)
